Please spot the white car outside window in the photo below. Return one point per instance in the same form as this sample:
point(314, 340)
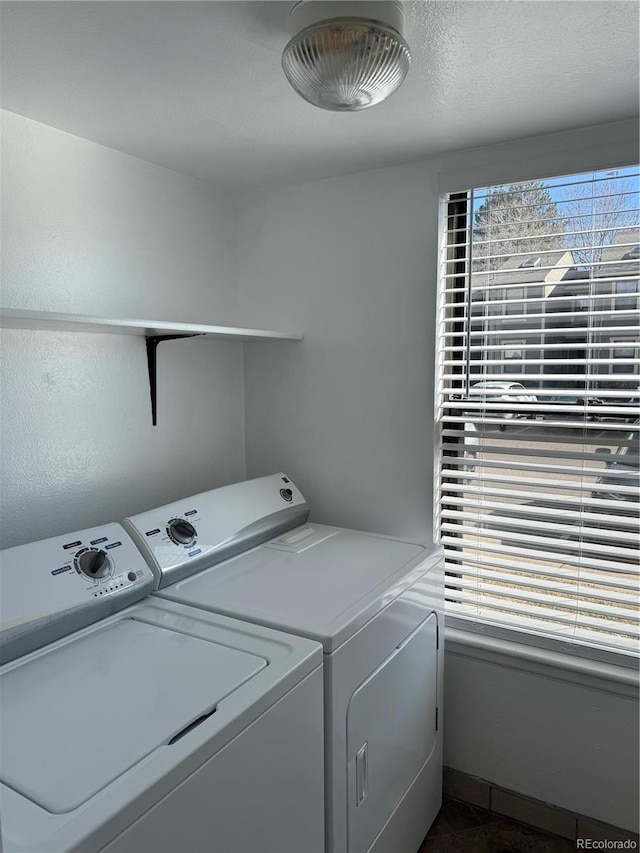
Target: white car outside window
point(487, 391)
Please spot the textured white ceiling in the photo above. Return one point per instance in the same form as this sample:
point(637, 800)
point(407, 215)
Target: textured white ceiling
point(197, 86)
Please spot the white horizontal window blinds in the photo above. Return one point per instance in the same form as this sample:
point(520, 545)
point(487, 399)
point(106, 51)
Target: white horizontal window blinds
point(538, 407)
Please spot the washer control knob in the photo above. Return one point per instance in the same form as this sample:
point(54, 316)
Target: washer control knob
point(181, 532)
point(132, 576)
point(93, 562)
point(286, 495)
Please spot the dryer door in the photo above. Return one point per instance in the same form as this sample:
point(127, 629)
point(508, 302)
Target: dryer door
point(391, 731)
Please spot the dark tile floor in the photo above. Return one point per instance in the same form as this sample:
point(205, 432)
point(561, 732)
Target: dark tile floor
point(461, 828)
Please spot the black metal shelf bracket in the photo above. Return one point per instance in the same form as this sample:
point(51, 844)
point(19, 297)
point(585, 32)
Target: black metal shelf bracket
point(152, 346)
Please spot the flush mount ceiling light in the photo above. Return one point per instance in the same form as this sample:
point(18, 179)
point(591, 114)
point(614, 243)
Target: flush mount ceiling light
point(346, 55)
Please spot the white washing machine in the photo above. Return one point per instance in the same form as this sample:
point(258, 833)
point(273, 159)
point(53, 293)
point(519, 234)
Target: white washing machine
point(375, 604)
point(150, 728)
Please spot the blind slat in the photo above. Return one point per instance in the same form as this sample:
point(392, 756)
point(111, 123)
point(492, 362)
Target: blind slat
point(531, 332)
point(602, 521)
point(477, 565)
point(613, 313)
point(531, 556)
point(556, 595)
point(489, 421)
point(550, 614)
point(612, 542)
point(453, 233)
point(452, 490)
point(608, 638)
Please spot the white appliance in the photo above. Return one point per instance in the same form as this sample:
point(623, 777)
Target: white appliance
point(150, 729)
point(375, 604)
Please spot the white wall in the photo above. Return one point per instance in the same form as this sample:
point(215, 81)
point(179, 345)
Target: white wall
point(88, 230)
point(557, 736)
point(348, 413)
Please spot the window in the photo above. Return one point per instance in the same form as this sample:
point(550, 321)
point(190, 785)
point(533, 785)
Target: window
point(621, 354)
point(627, 303)
point(538, 382)
point(531, 262)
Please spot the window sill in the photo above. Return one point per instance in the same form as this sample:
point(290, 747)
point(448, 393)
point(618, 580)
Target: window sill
point(547, 663)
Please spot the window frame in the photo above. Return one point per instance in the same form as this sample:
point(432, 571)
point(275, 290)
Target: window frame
point(511, 635)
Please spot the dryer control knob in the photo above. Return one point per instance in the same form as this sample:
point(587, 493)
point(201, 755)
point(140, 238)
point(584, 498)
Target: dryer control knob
point(94, 563)
point(181, 532)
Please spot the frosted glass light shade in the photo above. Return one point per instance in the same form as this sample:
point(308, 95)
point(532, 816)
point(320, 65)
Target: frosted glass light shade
point(346, 64)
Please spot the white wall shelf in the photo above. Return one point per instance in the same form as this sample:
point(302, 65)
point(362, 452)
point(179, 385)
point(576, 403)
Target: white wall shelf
point(12, 318)
point(153, 331)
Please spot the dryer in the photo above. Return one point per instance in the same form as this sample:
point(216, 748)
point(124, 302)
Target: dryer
point(375, 603)
point(133, 724)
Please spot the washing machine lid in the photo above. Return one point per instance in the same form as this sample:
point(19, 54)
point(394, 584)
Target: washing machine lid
point(82, 712)
point(319, 582)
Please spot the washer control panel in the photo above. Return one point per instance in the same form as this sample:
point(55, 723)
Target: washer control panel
point(187, 536)
point(94, 563)
point(55, 575)
point(181, 532)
